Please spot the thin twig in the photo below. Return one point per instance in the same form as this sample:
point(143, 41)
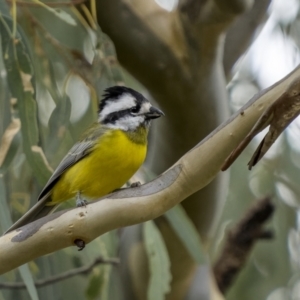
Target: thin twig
point(240, 240)
point(53, 279)
point(79, 65)
point(50, 4)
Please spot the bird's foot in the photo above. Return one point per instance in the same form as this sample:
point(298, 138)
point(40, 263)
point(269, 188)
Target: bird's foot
point(80, 201)
point(135, 184)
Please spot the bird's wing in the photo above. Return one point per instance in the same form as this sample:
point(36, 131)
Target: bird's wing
point(39, 210)
point(77, 152)
point(80, 150)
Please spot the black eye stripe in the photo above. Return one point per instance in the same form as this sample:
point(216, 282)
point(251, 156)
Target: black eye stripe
point(136, 108)
point(116, 115)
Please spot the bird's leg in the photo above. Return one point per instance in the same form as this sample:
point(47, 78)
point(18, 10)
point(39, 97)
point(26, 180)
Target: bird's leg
point(135, 184)
point(79, 200)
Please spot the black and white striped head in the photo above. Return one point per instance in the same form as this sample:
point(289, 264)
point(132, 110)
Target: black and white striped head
point(126, 109)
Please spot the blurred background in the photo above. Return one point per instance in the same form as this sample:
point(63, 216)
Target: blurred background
point(200, 61)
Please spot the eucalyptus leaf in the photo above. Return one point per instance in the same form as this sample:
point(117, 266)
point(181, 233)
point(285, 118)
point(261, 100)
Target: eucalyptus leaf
point(187, 232)
point(4, 9)
point(159, 262)
point(5, 221)
point(1, 296)
point(28, 280)
point(106, 68)
point(95, 282)
point(60, 115)
point(11, 153)
point(21, 84)
point(61, 14)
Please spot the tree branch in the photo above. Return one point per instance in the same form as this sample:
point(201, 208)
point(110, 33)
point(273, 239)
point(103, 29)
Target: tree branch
point(278, 117)
point(182, 69)
point(66, 275)
point(240, 240)
point(135, 205)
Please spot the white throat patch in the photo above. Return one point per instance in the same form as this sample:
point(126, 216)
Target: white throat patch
point(128, 123)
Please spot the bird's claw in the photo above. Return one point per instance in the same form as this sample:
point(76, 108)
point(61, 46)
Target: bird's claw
point(135, 184)
point(80, 201)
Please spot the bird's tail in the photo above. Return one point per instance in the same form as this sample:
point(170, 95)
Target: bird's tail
point(39, 210)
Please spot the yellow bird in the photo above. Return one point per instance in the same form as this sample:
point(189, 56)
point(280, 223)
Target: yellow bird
point(105, 158)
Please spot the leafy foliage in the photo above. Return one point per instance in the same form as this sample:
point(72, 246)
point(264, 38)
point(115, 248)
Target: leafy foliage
point(159, 263)
point(45, 58)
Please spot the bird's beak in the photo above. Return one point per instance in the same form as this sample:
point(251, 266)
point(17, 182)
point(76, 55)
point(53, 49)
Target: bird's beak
point(154, 113)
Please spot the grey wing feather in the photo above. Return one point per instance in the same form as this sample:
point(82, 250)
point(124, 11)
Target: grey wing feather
point(40, 209)
point(77, 152)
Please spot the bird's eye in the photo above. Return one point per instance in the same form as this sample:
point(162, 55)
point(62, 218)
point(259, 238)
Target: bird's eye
point(134, 110)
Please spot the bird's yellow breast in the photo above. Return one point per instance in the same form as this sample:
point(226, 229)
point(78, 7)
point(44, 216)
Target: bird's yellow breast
point(115, 157)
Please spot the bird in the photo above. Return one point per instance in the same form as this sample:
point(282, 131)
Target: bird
point(109, 152)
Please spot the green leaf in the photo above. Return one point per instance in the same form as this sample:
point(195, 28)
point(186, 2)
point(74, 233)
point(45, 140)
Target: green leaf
point(159, 262)
point(93, 290)
point(12, 151)
point(16, 57)
point(4, 8)
point(61, 14)
point(5, 221)
point(28, 280)
point(106, 69)
point(186, 231)
point(9, 146)
point(60, 115)
point(1, 296)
